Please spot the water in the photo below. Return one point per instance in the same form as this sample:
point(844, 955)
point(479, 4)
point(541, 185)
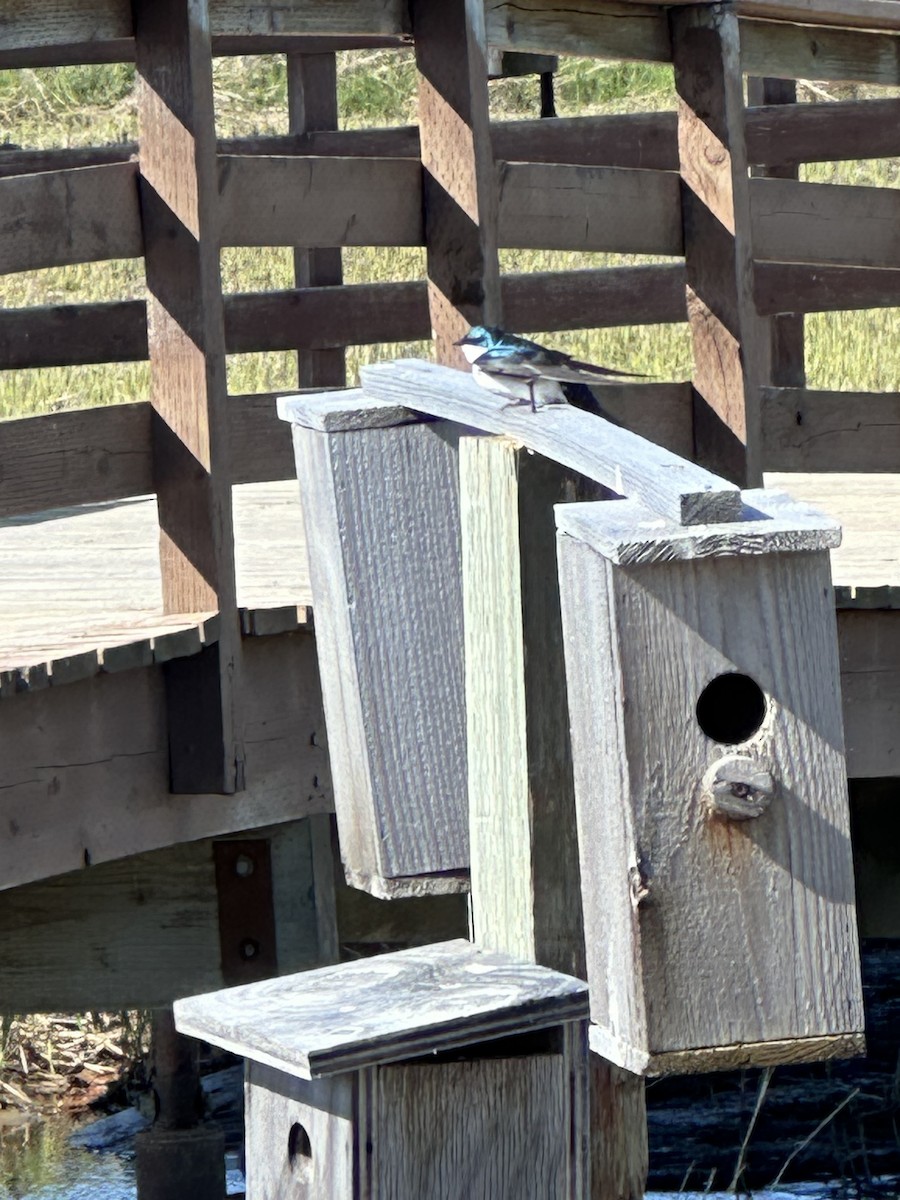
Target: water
point(48, 1167)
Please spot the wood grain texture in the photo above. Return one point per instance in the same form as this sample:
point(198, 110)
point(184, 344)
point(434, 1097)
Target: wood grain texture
point(325, 1109)
point(77, 216)
point(144, 929)
point(524, 854)
point(71, 334)
point(869, 644)
point(737, 932)
point(382, 520)
point(459, 186)
point(800, 287)
point(608, 30)
point(629, 534)
point(730, 341)
point(498, 1128)
point(847, 13)
point(378, 1010)
point(817, 222)
point(560, 207)
point(326, 201)
point(779, 135)
point(593, 447)
point(798, 52)
point(830, 431)
point(758, 1054)
point(90, 780)
point(76, 457)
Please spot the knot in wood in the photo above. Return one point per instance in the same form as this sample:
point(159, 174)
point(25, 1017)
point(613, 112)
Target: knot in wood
point(738, 787)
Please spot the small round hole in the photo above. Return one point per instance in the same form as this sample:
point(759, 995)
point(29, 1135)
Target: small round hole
point(731, 708)
point(299, 1150)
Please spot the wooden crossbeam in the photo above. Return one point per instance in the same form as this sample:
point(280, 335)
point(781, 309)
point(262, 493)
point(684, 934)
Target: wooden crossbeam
point(806, 430)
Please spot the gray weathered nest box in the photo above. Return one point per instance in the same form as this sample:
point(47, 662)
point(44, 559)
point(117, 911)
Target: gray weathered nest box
point(711, 791)
point(445, 1071)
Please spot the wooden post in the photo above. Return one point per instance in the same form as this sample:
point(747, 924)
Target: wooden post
point(459, 184)
point(786, 331)
point(731, 342)
point(526, 896)
point(179, 197)
point(312, 106)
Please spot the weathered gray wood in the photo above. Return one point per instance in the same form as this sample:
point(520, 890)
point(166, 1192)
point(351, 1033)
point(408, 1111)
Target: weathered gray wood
point(608, 30)
point(730, 340)
point(523, 843)
point(629, 534)
point(325, 1109)
point(90, 780)
point(142, 930)
point(799, 52)
point(775, 1053)
point(869, 644)
point(382, 1009)
point(61, 217)
point(382, 520)
point(459, 187)
point(801, 287)
point(614, 457)
point(560, 207)
point(736, 932)
point(497, 1128)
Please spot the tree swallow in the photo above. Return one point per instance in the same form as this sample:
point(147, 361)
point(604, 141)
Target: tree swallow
point(514, 366)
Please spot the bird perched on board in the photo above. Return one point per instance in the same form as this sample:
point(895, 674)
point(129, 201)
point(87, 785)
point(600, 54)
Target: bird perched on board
point(530, 373)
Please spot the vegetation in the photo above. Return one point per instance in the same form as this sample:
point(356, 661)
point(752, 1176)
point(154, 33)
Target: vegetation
point(92, 105)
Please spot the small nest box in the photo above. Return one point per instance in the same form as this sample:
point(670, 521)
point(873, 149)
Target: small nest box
point(444, 1071)
point(711, 790)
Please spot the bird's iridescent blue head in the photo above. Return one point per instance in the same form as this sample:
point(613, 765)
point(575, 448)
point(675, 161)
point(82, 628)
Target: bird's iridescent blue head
point(485, 337)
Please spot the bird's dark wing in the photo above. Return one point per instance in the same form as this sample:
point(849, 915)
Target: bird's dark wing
point(579, 395)
point(516, 364)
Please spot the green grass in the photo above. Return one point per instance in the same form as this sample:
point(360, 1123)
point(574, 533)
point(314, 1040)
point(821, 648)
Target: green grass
point(92, 105)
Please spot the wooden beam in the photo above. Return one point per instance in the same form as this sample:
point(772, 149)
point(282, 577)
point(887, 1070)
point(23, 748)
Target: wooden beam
point(459, 188)
point(799, 287)
point(192, 475)
point(818, 222)
point(583, 27)
point(830, 431)
point(69, 334)
point(783, 135)
point(334, 201)
point(731, 344)
point(82, 457)
point(589, 208)
point(143, 930)
point(786, 333)
point(75, 216)
point(862, 14)
point(777, 49)
point(90, 779)
point(312, 106)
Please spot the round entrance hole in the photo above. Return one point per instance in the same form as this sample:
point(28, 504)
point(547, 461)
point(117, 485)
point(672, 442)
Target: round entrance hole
point(731, 708)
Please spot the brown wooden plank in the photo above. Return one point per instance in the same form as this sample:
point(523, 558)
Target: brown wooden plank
point(259, 448)
point(334, 201)
point(785, 330)
point(459, 187)
point(82, 457)
point(643, 140)
point(61, 217)
point(862, 14)
point(830, 431)
point(731, 345)
point(594, 299)
point(312, 105)
point(799, 287)
point(67, 334)
point(819, 222)
point(191, 443)
point(784, 135)
point(584, 27)
point(589, 208)
point(801, 52)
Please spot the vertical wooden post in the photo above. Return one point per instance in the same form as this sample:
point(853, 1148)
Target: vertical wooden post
point(786, 330)
point(731, 341)
point(312, 105)
point(459, 181)
point(526, 897)
point(179, 198)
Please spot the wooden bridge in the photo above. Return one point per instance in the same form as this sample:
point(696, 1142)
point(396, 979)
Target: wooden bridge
point(160, 707)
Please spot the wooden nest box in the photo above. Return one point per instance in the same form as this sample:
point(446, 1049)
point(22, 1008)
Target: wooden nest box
point(446, 1071)
point(717, 875)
